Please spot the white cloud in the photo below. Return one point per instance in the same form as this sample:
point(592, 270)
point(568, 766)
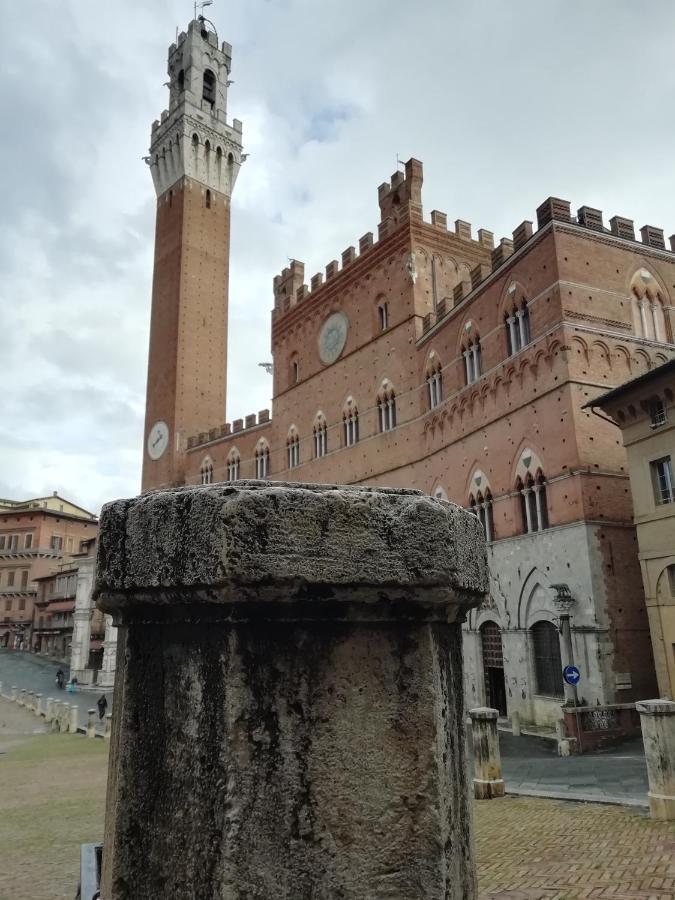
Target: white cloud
point(506, 103)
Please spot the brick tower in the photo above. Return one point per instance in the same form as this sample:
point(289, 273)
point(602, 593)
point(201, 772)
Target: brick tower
point(194, 158)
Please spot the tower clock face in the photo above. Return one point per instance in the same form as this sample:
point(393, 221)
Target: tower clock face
point(158, 440)
point(332, 337)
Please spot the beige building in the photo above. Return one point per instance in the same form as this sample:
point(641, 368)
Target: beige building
point(644, 410)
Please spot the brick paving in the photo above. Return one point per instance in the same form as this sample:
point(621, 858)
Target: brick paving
point(533, 849)
point(52, 791)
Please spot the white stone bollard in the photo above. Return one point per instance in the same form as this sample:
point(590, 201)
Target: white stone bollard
point(13, 696)
point(49, 709)
point(515, 724)
point(56, 711)
point(72, 725)
point(91, 723)
point(487, 763)
point(22, 697)
point(564, 747)
point(657, 718)
point(30, 700)
point(64, 716)
point(0, 689)
point(38, 704)
point(107, 726)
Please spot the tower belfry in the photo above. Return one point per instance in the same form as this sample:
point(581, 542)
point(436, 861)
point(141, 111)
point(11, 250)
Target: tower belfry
point(195, 156)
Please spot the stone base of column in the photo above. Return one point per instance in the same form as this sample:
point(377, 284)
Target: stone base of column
point(488, 790)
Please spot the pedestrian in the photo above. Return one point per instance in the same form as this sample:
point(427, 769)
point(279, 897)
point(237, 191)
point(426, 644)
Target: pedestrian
point(60, 678)
point(102, 704)
point(72, 685)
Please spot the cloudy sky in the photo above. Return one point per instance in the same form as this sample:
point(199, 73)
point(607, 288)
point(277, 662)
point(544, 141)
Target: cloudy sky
point(505, 101)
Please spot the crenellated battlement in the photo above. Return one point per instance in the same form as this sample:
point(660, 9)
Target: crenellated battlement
point(228, 429)
point(553, 209)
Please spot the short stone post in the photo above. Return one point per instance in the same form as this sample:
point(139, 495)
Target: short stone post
point(30, 700)
point(91, 723)
point(49, 709)
point(38, 704)
point(107, 726)
point(487, 761)
point(292, 723)
point(0, 689)
point(657, 718)
point(56, 725)
point(73, 723)
point(13, 696)
point(22, 697)
point(515, 723)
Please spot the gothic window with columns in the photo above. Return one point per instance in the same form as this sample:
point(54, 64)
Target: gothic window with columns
point(320, 437)
point(293, 449)
point(434, 382)
point(206, 471)
point(533, 502)
point(517, 325)
point(648, 309)
point(350, 423)
point(481, 507)
point(386, 410)
point(262, 461)
point(233, 461)
point(471, 352)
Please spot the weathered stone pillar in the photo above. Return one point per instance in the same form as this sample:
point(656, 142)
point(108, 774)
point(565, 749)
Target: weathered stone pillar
point(657, 718)
point(13, 695)
point(107, 726)
point(91, 723)
point(74, 716)
point(49, 709)
point(22, 697)
point(288, 708)
point(487, 761)
point(38, 704)
point(515, 723)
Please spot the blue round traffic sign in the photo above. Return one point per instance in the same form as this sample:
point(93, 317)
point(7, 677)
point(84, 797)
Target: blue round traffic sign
point(571, 675)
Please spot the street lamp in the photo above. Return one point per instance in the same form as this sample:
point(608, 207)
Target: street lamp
point(563, 602)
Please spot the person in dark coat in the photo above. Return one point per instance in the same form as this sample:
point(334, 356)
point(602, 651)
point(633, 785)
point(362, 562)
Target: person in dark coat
point(102, 704)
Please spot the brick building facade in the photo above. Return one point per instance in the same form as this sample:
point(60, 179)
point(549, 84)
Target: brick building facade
point(436, 360)
point(36, 536)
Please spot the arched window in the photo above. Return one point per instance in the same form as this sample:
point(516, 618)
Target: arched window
point(533, 502)
point(386, 407)
point(206, 471)
point(434, 382)
point(383, 315)
point(209, 89)
point(233, 461)
point(293, 449)
point(262, 461)
point(320, 437)
point(547, 660)
point(517, 325)
point(647, 306)
point(472, 360)
point(481, 507)
point(295, 370)
point(350, 423)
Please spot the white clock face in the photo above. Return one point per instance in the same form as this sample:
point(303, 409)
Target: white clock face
point(158, 440)
point(332, 337)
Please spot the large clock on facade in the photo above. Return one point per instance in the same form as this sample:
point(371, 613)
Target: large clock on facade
point(332, 337)
point(158, 440)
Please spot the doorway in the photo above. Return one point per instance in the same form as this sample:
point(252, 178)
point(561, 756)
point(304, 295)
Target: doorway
point(493, 666)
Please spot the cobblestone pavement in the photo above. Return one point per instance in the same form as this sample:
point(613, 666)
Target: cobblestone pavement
point(532, 766)
point(533, 849)
point(31, 672)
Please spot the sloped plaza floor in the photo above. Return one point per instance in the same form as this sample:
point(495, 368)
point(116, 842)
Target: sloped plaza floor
point(52, 790)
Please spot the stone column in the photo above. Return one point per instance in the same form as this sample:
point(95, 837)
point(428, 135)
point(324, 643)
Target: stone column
point(48, 709)
point(38, 704)
point(657, 718)
point(106, 677)
point(13, 695)
point(91, 723)
point(73, 723)
point(487, 761)
point(288, 701)
point(107, 726)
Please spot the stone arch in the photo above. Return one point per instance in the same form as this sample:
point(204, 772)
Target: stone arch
point(535, 600)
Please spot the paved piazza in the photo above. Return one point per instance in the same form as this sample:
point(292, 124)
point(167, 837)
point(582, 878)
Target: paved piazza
point(52, 790)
